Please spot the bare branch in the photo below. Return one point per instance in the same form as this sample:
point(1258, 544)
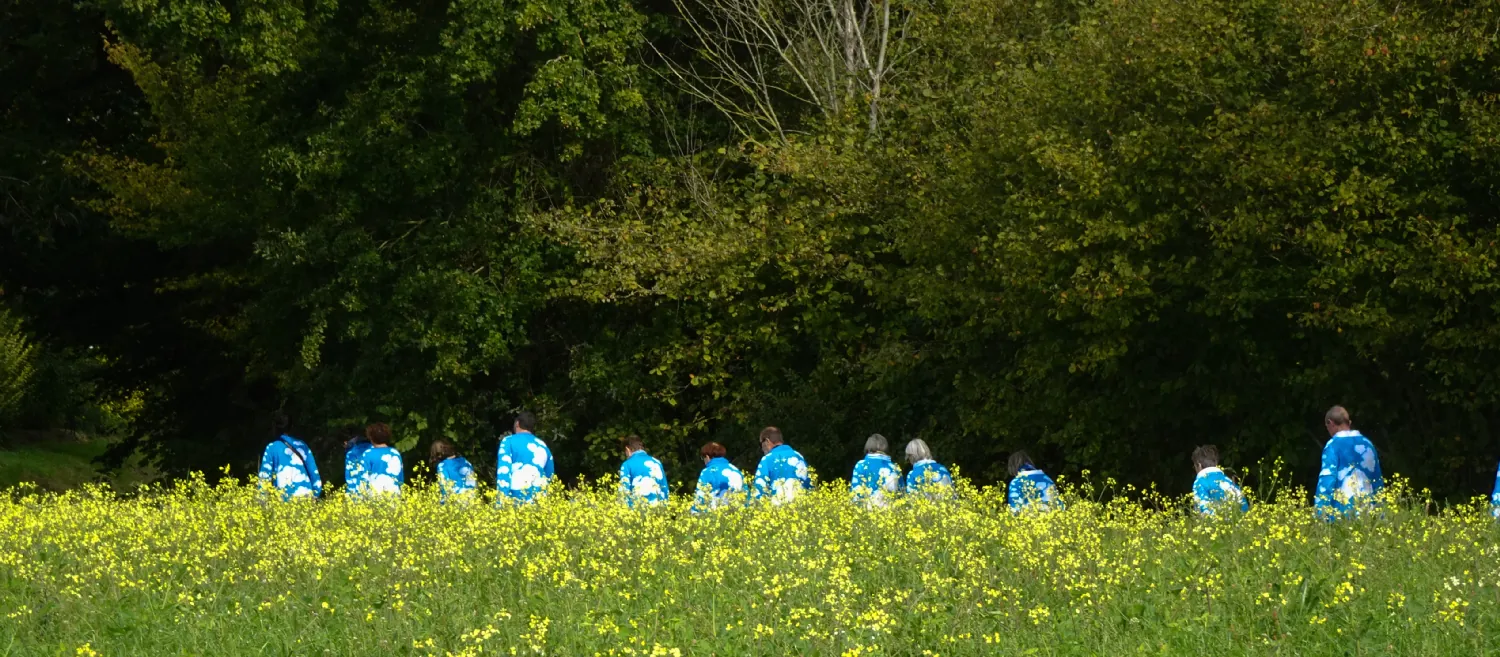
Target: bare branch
point(755, 56)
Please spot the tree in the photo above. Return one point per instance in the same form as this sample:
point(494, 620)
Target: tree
point(755, 57)
point(16, 368)
point(1161, 225)
point(353, 182)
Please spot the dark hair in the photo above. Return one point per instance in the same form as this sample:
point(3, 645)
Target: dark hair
point(279, 423)
point(526, 420)
point(379, 433)
point(353, 434)
point(1019, 460)
point(771, 435)
point(442, 450)
point(1337, 416)
point(1206, 456)
point(633, 442)
point(714, 451)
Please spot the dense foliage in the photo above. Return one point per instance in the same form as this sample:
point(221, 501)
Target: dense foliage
point(1104, 231)
point(200, 570)
point(16, 366)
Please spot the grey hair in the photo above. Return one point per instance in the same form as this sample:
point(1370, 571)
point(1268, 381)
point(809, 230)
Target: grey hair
point(876, 443)
point(917, 450)
point(1337, 416)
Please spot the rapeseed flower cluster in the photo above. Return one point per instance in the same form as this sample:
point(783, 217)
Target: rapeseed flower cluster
point(196, 569)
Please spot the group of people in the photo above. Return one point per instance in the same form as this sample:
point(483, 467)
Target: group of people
point(1349, 478)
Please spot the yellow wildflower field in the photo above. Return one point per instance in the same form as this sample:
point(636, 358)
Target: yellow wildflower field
point(194, 569)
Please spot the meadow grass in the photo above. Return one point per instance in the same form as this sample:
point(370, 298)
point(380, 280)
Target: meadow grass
point(194, 569)
point(62, 462)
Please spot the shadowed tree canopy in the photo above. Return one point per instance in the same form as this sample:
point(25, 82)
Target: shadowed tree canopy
point(1104, 232)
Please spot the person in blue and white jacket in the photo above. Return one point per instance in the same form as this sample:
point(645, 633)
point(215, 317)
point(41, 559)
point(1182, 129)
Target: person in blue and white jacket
point(354, 452)
point(1495, 497)
point(1030, 488)
point(927, 478)
point(720, 483)
point(383, 471)
point(287, 464)
point(1350, 477)
point(523, 463)
point(455, 475)
point(876, 477)
point(1212, 489)
point(642, 479)
point(782, 475)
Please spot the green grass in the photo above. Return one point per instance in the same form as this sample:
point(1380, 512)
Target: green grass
point(216, 571)
point(59, 464)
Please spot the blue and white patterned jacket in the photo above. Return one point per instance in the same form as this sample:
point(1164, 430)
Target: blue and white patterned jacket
point(643, 481)
point(352, 472)
point(384, 473)
point(875, 481)
point(929, 479)
point(455, 477)
point(720, 483)
point(1495, 497)
point(523, 467)
point(1350, 477)
point(288, 465)
point(781, 476)
point(1212, 490)
point(1032, 489)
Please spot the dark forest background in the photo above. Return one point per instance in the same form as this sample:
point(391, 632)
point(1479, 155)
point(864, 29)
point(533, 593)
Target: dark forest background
point(1104, 231)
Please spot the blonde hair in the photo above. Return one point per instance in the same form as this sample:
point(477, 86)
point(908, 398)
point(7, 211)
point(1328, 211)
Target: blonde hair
point(917, 450)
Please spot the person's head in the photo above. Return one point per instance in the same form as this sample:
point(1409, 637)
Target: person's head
point(280, 423)
point(1019, 460)
point(632, 444)
point(379, 434)
point(1206, 456)
point(876, 443)
point(355, 436)
point(442, 450)
point(525, 421)
point(1336, 420)
point(712, 451)
point(917, 450)
point(770, 437)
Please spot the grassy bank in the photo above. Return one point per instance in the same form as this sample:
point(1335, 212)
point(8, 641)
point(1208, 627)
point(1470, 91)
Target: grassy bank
point(200, 570)
point(54, 462)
